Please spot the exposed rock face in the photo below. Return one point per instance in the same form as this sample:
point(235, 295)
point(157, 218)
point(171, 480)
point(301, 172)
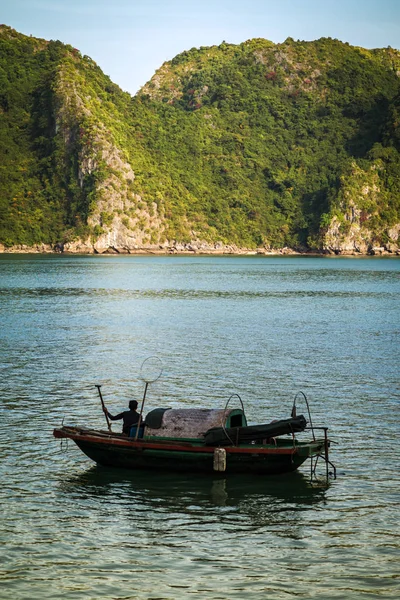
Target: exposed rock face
point(123, 232)
point(119, 219)
point(22, 248)
point(112, 243)
point(77, 247)
point(357, 240)
point(337, 242)
point(354, 226)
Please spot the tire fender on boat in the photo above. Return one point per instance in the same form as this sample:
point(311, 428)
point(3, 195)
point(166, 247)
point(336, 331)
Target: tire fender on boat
point(220, 459)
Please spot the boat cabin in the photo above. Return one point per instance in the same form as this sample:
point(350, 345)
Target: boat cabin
point(190, 423)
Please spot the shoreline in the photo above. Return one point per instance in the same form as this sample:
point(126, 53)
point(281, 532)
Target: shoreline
point(191, 250)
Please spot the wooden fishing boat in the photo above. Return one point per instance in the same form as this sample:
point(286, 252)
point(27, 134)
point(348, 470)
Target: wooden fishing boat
point(204, 440)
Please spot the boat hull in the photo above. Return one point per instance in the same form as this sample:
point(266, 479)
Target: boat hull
point(175, 455)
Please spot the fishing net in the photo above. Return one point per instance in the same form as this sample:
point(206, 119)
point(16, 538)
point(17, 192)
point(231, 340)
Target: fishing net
point(151, 369)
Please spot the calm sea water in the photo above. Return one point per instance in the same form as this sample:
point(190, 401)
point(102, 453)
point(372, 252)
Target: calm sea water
point(264, 328)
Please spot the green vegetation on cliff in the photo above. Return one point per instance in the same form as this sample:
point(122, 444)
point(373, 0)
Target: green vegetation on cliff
point(255, 144)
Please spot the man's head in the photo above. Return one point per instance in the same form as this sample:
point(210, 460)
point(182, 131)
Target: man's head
point(133, 405)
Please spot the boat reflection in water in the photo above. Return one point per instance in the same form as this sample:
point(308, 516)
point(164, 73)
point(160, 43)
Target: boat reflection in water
point(178, 491)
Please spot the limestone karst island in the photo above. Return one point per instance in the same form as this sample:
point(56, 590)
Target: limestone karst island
point(257, 147)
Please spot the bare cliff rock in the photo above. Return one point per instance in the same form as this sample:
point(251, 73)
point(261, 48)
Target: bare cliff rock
point(355, 225)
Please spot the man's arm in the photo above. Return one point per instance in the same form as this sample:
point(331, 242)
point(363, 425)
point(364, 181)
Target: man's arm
point(116, 417)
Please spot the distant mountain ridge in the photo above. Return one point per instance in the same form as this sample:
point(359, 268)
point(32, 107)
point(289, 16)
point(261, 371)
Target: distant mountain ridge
point(252, 146)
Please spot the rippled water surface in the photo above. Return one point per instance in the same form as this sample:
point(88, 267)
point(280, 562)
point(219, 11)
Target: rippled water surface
point(264, 328)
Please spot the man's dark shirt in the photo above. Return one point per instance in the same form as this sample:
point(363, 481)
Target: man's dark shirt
point(130, 418)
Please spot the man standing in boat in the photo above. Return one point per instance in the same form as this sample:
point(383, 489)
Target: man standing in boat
point(130, 417)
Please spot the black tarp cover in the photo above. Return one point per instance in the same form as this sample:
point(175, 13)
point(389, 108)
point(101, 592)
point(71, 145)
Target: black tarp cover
point(218, 436)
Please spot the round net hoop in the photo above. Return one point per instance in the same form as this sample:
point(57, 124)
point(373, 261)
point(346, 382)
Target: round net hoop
point(151, 369)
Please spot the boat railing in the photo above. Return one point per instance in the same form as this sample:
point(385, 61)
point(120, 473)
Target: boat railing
point(324, 456)
point(294, 410)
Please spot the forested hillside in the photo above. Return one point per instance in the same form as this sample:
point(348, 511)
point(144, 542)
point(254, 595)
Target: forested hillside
point(257, 145)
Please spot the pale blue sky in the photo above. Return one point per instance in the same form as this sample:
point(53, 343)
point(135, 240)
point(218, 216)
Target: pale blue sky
point(130, 39)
